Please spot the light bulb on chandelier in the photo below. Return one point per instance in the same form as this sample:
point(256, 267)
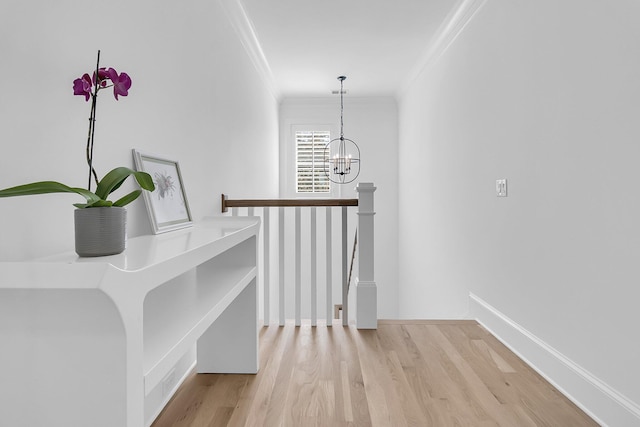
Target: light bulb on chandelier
point(342, 155)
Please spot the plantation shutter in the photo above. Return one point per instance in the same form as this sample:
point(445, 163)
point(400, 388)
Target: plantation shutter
point(310, 176)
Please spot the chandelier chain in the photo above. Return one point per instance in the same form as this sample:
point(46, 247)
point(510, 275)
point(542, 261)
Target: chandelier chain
point(341, 78)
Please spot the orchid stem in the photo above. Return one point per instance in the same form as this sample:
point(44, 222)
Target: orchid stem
point(92, 125)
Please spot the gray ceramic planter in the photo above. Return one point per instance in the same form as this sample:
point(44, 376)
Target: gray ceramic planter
point(100, 231)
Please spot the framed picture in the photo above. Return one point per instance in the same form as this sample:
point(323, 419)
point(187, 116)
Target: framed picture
point(167, 205)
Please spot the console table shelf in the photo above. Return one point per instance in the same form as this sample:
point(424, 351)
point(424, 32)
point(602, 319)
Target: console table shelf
point(96, 341)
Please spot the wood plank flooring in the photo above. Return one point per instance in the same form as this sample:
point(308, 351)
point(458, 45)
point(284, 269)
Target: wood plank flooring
point(406, 373)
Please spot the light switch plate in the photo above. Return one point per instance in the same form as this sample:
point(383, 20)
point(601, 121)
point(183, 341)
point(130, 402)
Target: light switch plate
point(501, 187)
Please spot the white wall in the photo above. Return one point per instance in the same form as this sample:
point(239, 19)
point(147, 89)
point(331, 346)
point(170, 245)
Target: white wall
point(546, 95)
point(195, 98)
point(373, 124)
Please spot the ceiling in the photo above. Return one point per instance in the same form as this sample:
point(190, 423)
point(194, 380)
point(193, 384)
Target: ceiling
point(377, 44)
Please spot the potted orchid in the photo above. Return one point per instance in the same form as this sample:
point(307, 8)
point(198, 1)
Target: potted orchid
point(100, 224)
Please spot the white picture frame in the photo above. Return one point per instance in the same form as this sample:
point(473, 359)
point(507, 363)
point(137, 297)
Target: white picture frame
point(167, 205)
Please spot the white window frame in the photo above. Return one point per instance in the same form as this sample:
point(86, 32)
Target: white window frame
point(290, 162)
point(315, 141)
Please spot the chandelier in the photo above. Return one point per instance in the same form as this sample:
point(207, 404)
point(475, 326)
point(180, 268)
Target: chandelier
point(341, 155)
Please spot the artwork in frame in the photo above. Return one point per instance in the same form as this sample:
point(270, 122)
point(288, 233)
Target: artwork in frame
point(167, 205)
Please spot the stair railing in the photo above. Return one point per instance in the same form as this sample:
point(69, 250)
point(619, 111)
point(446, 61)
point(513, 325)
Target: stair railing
point(365, 218)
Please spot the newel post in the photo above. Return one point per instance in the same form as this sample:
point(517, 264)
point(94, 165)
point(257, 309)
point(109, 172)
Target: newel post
point(366, 289)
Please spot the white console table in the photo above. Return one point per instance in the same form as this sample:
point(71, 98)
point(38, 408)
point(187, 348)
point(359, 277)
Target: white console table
point(105, 341)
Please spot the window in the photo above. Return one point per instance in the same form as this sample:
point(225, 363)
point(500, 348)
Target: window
point(310, 176)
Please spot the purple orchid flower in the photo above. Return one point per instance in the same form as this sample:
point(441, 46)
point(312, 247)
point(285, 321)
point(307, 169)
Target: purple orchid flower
point(121, 83)
point(103, 76)
point(89, 86)
point(82, 86)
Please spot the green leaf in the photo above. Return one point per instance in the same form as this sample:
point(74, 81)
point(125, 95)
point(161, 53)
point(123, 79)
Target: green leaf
point(46, 187)
point(114, 179)
point(145, 181)
point(111, 182)
point(100, 204)
point(128, 198)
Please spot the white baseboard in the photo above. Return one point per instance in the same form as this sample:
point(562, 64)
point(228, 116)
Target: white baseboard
point(604, 404)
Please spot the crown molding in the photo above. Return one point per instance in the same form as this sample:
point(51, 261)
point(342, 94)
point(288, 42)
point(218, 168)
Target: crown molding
point(447, 33)
point(243, 27)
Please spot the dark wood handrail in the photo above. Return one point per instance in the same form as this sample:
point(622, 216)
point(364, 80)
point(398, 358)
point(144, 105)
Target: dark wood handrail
point(256, 203)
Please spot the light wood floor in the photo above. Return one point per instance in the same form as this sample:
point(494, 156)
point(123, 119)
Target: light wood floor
point(422, 373)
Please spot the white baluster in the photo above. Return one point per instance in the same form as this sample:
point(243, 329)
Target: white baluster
point(298, 276)
point(281, 264)
point(314, 284)
point(266, 262)
point(345, 255)
point(329, 263)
